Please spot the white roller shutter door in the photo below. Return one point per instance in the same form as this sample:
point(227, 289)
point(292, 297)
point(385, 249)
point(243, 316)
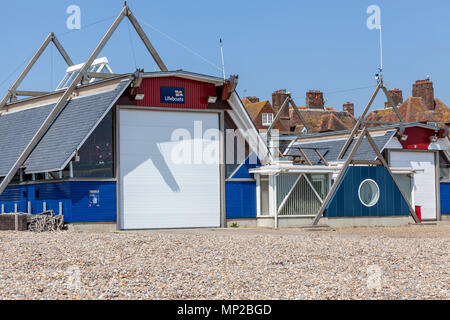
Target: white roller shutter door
point(156, 190)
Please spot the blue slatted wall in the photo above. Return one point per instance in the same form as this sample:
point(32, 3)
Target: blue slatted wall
point(74, 196)
point(445, 197)
point(241, 199)
point(345, 202)
point(241, 195)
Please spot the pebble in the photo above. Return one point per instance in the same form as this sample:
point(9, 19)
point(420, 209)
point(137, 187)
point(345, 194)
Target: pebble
point(364, 263)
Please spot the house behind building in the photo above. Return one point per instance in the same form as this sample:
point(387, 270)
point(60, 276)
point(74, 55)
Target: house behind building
point(422, 106)
point(318, 117)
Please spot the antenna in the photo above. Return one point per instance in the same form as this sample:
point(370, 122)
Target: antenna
point(223, 60)
point(381, 53)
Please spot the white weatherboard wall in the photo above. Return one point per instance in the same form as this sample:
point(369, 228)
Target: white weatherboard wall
point(424, 187)
point(156, 191)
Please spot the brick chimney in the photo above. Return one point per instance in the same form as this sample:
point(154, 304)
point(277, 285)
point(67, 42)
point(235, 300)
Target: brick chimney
point(349, 107)
point(397, 97)
point(314, 99)
point(278, 98)
point(424, 89)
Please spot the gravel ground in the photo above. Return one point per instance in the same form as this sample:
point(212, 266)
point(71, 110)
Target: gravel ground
point(365, 263)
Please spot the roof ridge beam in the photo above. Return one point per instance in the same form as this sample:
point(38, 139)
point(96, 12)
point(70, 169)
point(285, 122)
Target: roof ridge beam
point(11, 94)
point(145, 40)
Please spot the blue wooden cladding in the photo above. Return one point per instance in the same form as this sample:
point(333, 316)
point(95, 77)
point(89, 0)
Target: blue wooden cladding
point(82, 201)
point(241, 195)
point(346, 203)
point(445, 197)
point(243, 171)
point(241, 199)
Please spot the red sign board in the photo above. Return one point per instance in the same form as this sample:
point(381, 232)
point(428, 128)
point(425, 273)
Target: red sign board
point(158, 93)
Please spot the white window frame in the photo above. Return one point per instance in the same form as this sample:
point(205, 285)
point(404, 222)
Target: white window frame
point(267, 119)
point(377, 197)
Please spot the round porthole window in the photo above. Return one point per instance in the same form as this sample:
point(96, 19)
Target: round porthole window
point(369, 193)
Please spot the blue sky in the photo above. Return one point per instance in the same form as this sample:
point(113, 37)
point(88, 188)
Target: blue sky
point(284, 44)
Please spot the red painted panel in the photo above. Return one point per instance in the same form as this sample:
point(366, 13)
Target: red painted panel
point(418, 138)
point(196, 92)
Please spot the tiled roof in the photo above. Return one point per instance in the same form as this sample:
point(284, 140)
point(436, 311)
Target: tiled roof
point(330, 122)
point(413, 110)
point(322, 120)
point(254, 109)
point(319, 120)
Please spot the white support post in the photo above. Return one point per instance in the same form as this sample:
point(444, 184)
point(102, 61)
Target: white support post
point(3, 208)
point(258, 194)
point(438, 187)
point(60, 207)
point(71, 169)
point(273, 212)
point(29, 207)
point(44, 206)
point(15, 208)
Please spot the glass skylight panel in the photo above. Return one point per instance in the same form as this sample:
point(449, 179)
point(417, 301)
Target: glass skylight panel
point(98, 66)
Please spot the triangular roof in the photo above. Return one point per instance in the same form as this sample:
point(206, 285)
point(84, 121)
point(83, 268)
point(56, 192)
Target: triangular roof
point(78, 119)
point(73, 126)
point(330, 122)
point(254, 109)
